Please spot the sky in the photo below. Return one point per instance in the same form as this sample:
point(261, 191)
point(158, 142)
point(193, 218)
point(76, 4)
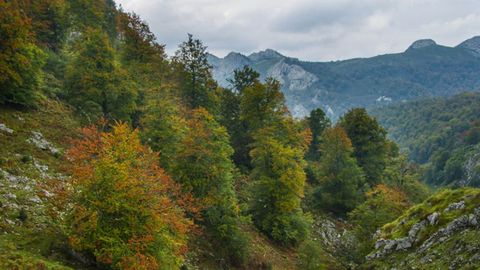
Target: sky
point(312, 30)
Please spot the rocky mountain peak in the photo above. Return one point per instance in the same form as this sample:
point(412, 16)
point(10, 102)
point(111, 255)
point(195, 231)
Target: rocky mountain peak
point(472, 44)
point(422, 43)
point(266, 54)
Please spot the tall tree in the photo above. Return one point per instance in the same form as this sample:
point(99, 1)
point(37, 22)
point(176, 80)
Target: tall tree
point(369, 143)
point(341, 179)
point(124, 209)
point(243, 78)
point(195, 77)
point(20, 59)
point(204, 168)
point(318, 122)
point(139, 43)
point(231, 117)
point(96, 86)
point(164, 125)
point(262, 104)
point(279, 179)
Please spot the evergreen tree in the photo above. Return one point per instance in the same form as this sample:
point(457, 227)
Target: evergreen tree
point(369, 143)
point(20, 59)
point(195, 78)
point(96, 86)
point(341, 179)
point(318, 122)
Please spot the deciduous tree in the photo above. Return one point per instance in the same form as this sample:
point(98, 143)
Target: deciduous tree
point(124, 208)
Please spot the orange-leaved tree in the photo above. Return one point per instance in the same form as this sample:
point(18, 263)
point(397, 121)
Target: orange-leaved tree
point(125, 211)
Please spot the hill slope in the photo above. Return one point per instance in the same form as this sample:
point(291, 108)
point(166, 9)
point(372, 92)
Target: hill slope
point(441, 233)
point(443, 134)
point(424, 69)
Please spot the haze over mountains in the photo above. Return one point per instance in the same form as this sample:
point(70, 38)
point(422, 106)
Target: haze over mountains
point(425, 68)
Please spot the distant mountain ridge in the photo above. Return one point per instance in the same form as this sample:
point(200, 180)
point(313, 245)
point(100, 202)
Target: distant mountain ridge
point(424, 69)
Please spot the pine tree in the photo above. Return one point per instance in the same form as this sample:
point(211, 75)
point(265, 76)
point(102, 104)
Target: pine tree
point(195, 78)
point(318, 122)
point(20, 59)
point(341, 179)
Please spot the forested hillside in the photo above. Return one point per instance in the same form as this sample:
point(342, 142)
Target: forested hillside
point(443, 134)
point(116, 156)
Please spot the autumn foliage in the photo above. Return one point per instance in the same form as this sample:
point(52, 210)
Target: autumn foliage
point(126, 211)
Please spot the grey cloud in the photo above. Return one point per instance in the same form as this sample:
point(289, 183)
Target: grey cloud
point(310, 29)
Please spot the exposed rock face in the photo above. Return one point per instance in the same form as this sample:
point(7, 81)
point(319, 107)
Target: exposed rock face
point(455, 206)
point(5, 129)
point(387, 246)
point(443, 239)
point(39, 141)
point(459, 224)
point(433, 218)
point(292, 77)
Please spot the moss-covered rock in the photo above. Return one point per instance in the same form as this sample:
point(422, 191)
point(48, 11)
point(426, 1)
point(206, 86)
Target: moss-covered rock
point(440, 233)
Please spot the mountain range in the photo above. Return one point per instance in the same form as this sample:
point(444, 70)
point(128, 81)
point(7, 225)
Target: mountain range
point(424, 69)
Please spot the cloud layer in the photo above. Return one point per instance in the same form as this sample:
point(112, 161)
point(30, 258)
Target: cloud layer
point(316, 30)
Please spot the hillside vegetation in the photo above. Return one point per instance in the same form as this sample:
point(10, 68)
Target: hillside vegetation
point(443, 134)
point(116, 156)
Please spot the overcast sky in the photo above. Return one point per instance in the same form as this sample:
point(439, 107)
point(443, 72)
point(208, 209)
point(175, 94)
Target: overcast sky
point(320, 30)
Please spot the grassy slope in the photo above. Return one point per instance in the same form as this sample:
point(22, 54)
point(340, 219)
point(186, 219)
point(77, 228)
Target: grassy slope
point(458, 251)
point(27, 240)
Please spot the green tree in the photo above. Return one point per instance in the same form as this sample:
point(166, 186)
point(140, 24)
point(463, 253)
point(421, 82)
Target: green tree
point(94, 14)
point(318, 122)
point(204, 168)
point(139, 44)
point(341, 179)
point(96, 86)
point(369, 143)
point(20, 59)
point(383, 204)
point(194, 75)
point(164, 125)
point(243, 78)
point(231, 118)
point(49, 21)
point(262, 104)
point(279, 179)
